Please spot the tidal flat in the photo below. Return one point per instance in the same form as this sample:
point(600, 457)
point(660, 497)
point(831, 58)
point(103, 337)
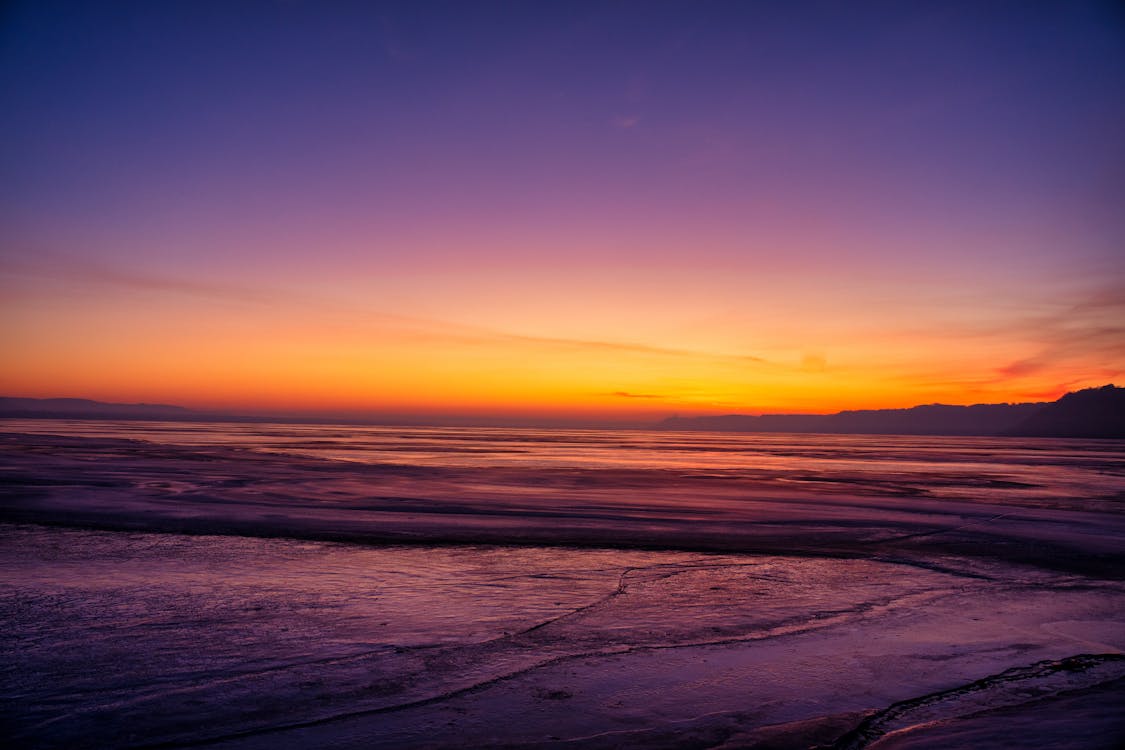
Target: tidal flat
point(251, 586)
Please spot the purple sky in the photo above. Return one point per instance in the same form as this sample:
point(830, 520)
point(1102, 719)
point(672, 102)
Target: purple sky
point(793, 183)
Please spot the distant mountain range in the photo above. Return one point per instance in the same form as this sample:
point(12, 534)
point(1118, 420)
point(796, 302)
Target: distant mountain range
point(83, 408)
point(1090, 413)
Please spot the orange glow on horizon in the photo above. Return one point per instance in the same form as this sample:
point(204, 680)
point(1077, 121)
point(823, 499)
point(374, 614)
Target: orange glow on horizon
point(290, 357)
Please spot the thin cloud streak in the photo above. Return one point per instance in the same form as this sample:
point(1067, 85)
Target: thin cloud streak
point(80, 271)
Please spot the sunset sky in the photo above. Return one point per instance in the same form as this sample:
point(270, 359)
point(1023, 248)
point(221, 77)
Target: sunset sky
point(610, 210)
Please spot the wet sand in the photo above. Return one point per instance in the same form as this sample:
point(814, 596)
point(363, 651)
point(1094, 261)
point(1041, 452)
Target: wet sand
point(159, 595)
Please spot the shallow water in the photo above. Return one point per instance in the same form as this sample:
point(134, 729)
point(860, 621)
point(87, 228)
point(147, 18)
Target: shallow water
point(169, 585)
point(1089, 463)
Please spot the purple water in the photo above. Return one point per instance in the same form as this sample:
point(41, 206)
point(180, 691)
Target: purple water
point(238, 585)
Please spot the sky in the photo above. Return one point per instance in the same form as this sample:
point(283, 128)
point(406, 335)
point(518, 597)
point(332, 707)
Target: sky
point(610, 211)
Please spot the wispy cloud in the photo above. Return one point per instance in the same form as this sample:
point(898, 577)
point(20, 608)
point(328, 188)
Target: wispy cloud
point(1090, 331)
point(626, 122)
point(626, 394)
point(1022, 367)
point(1068, 343)
point(80, 271)
point(627, 348)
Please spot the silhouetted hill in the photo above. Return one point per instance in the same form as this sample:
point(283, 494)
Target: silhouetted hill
point(1091, 413)
point(1096, 412)
point(81, 408)
point(932, 419)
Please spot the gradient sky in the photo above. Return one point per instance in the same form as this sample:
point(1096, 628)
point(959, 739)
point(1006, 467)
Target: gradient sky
point(600, 210)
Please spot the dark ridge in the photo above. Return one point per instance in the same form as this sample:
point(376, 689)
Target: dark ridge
point(1091, 413)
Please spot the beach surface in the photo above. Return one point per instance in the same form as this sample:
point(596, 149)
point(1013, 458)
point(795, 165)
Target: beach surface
point(260, 586)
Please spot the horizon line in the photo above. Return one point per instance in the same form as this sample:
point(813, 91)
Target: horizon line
point(103, 411)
